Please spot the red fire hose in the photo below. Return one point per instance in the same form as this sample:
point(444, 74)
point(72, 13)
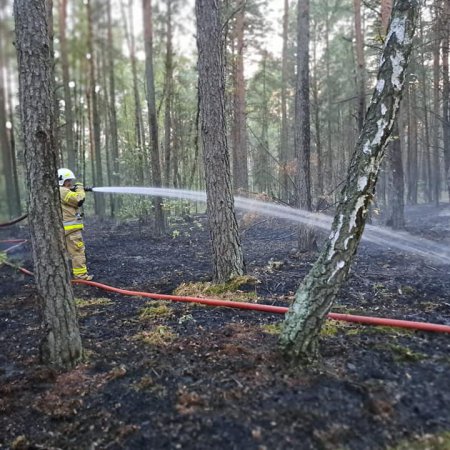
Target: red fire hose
point(273, 309)
point(366, 320)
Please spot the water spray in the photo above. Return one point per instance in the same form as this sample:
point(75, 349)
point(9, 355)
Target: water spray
point(381, 236)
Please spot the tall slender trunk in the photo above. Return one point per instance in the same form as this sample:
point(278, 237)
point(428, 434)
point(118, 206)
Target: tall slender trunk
point(240, 156)
point(412, 147)
point(284, 141)
point(151, 106)
point(302, 131)
point(68, 109)
point(396, 209)
point(436, 123)
point(115, 179)
point(428, 176)
point(61, 344)
point(6, 148)
point(317, 125)
point(446, 91)
point(360, 65)
point(227, 252)
point(96, 153)
point(169, 95)
point(386, 8)
point(138, 119)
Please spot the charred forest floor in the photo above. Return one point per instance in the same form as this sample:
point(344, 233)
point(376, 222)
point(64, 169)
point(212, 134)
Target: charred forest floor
point(171, 375)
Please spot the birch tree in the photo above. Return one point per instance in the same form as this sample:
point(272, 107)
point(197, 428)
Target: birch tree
point(318, 291)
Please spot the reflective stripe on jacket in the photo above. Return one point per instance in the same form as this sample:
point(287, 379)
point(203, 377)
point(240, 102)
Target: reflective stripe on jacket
point(69, 206)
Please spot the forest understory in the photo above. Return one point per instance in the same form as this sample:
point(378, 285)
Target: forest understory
point(169, 375)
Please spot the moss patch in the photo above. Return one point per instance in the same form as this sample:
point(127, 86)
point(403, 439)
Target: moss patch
point(226, 291)
point(272, 328)
point(405, 354)
point(83, 302)
point(161, 336)
point(155, 310)
point(439, 441)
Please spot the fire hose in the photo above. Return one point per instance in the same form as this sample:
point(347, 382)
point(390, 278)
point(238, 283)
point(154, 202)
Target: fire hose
point(365, 320)
point(13, 221)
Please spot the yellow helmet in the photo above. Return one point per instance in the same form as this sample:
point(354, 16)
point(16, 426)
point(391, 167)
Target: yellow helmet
point(65, 174)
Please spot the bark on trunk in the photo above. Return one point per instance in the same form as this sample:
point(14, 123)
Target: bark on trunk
point(61, 344)
point(115, 178)
point(151, 106)
point(412, 147)
point(240, 156)
point(436, 123)
point(316, 294)
point(96, 153)
point(7, 150)
point(168, 100)
point(396, 215)
point(360, 65)
point(227, 252)
point(68, 109)
point(446, 91)
point(302, 131)
point(284, 141)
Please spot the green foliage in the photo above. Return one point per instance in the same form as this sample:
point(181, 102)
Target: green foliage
point(155, 310)
point(439, 441)
point(228, 291)
point(160, 336)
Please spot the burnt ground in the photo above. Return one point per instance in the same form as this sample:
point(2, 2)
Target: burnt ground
point(197, 377)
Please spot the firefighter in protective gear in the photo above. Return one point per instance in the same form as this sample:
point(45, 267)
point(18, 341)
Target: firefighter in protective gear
point(72, 198)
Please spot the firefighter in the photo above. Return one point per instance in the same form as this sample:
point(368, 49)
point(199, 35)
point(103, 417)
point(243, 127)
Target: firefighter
point(72, 197)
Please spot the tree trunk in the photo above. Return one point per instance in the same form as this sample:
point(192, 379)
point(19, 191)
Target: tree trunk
point(169, 95)
point(317, 127)
point(96, 153)
point(436, 123)
point(316, 294)
point(68, 110)
point(115, 178)
point(240, 164)
point(446, 91)
point(262, 167)
point(284, 141)
point(61, 345)
point(227, 252)
point(386, 8)
point(138, 119)
point(427, 172)
point(7, 150)
point(302, 131)
point(360, 65)
point(396, 209)
point(412, 147)
point(151, 106)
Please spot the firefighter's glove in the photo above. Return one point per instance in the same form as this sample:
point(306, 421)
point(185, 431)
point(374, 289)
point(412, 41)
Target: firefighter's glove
point(77, 187)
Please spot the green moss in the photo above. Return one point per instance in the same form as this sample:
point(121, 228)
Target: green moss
point(439, 441)
point(405, 354)
point(3, 258)
point(408, 290)
point(393, 331)
point(154, 310)
point(228, 291)
point(160, 336)
point(273, 328)
point(83, 302)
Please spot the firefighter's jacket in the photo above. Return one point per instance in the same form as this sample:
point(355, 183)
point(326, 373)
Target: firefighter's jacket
point(70, 202)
